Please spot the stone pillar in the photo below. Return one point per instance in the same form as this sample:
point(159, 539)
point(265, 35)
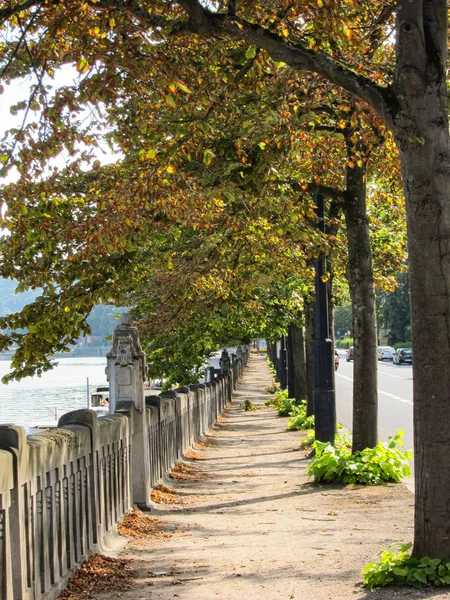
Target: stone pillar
point(210, 374)
point(225, 362)
point(126, 372)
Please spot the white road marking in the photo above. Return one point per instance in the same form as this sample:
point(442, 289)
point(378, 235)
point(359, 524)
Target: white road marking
point(388, 394)
point(395, 376)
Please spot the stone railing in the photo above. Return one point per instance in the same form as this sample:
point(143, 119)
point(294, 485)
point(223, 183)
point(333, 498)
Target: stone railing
point(63, 491)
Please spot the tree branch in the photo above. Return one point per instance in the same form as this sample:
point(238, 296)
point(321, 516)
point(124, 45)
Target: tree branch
point(297, 56)
point(6, 13)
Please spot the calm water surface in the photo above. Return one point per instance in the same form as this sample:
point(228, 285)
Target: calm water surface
point(39, 399)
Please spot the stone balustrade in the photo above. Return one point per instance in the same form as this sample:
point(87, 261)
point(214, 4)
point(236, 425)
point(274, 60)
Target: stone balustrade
point(63, 491)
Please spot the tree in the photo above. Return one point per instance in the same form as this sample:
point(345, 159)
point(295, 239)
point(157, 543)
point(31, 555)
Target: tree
point(413, 104)
point(394, 311)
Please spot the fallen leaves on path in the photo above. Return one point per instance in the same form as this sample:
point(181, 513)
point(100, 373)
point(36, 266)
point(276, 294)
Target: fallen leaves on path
point(187, 473)
point(205, 442)
point(161, 494)
point(98, 574)
point(193, 455)
point(140, 527)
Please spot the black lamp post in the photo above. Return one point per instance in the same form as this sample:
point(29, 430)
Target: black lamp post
point(324, 396)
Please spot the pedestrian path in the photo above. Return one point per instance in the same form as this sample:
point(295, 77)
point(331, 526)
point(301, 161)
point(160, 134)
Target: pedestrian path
point(246, 523)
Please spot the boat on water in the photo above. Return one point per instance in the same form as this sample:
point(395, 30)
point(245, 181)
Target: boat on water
point(99, 400)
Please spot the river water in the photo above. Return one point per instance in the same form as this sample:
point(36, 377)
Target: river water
point(36, 400)
point(42, 400)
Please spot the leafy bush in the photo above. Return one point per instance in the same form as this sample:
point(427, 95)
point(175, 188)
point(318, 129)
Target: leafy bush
point(271, 366)
point(404, 569)
point(298, 419)
point(371, 466)
point(272, 389)
point(346, 342)
point(282, 403)
point(247, 405)
point(309, 439)
point(341, 440)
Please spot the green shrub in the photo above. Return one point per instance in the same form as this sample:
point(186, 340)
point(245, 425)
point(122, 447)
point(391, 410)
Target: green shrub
point(341, 440)
point(272, 388)
point(346, 342)
point(309, 439)
point(403, 569)
point(247, 405)
point(298, 419)
point(271, 366)
point(371, 466)
point(282, 403)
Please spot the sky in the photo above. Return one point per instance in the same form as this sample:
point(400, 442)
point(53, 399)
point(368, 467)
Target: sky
point(18, 90)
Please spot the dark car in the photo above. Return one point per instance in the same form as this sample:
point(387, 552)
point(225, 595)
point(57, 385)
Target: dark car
point(403, 355)
point(350, 353)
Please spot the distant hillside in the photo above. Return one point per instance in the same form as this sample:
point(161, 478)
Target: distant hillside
point(102, 318)
point(10, 301)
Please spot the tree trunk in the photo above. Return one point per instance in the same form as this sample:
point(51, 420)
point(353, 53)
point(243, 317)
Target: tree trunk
point(298, 347)
point(421, 132)
point(361, 284)
point(310, 313)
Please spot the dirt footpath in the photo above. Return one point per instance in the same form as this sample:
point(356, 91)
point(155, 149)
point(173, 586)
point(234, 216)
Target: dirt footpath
point(240, 520)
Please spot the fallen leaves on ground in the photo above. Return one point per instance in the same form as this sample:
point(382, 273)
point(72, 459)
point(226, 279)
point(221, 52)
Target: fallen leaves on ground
point(187, 473)
point(161, 494)
point(205, 442)
point(98, 574)
point(141, 527)
point(193, 455)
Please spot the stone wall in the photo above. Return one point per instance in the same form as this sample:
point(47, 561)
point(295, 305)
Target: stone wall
point(63, 491)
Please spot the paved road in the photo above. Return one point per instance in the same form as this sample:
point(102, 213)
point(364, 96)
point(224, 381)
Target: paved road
point(395, 398)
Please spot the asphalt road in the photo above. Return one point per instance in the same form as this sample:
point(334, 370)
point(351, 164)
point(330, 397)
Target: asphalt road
point(395, 399)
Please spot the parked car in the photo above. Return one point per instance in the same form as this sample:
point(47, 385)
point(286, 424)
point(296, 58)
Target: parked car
point(350, 353)
point(336, 360)
point(386, 353)
point(403, 355)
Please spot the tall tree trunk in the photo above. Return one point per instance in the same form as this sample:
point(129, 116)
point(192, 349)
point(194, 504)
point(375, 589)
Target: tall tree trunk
point(361, 284)
point(298, 347)
point(422, 135)
point(310, 313)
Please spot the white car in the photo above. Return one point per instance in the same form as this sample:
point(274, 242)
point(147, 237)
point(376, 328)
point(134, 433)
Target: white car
point(386, 353)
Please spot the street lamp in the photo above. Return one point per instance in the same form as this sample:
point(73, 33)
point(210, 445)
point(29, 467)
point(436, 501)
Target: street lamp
point(324, 396)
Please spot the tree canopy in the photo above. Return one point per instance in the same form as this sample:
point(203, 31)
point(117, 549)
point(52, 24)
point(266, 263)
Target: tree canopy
point(160, 83)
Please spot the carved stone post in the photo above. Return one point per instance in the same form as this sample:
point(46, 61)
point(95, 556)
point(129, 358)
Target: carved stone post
point(126, 372)
point(225, 363)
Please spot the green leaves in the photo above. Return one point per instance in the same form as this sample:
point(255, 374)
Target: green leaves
point(417, 140)
point(371, 466)
point(401, 568)
point(250, 52)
